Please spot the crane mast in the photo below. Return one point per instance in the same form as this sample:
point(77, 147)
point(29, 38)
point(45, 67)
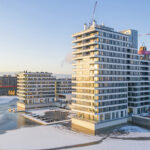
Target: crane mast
point(94, 12)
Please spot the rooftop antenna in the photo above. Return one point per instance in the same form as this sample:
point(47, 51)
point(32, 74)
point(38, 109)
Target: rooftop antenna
point(94, 12)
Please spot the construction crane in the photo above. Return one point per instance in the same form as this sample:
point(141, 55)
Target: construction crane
point(144, 34)
point(94, 12)
point(143, 48)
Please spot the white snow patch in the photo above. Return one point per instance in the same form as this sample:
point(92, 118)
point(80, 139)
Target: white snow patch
point(46, 137)
point(129, 128)
point(7, 99)
point(42, 137)
point(120, 144)
point(113, 144)
point(41, 112)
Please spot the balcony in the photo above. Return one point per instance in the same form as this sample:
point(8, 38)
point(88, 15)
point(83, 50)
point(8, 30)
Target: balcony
point(84, 109)
point(85, 50)
point(91, 29)
point(85, 44)
point(84, 38)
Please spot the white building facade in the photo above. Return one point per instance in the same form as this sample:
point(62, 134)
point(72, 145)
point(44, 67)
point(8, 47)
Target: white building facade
point(35, 89)
point(106, 65)
point(63, 91)
point(139, 86)
point(63, 85)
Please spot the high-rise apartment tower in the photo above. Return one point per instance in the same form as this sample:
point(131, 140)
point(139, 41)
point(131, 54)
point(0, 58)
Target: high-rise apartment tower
point(105, 66)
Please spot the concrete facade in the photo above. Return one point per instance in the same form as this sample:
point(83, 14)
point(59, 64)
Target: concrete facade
point(35, 89)
point(110, 77)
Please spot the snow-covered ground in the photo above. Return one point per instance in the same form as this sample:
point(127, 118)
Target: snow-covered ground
point(42, 111)
point(117, 144)
point(42, 137)
point(32, 115)
point(7, 99)
point(130, 129)
point(48, 137)
point(138, 138)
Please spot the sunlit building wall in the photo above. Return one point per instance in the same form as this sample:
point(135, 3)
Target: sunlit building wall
point(35, 89)
point(101, 62)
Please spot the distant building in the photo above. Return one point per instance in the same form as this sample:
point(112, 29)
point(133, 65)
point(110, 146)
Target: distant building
point(63, 90)
point(139, 82)
point(133, 37)
point(8, 85)
point(63, 86)
point(35, 89)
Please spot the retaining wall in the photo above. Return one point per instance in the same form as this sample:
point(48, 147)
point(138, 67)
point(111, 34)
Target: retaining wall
point(142, 121)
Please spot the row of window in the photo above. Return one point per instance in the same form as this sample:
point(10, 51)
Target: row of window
point(37, 82)
point(112, 90)
point(37, 75)
point(139, 104)
point(105, 72)
point(103, 91)
point(139, 94)
point(139, 89)
point(101, 85)
point(116, 55)
point(35, 86)
point(42, 96)
point(138, 99)
point(139, 84)
point(108, 66)
point(37, 93)
point(36, 89)
point(110, 78)
point(112, 102)
point(118, 49)
point(104, 97)
point(100, 79)
point(36, 78)
point(113, 36)
point(107, 109)
point(114, 42)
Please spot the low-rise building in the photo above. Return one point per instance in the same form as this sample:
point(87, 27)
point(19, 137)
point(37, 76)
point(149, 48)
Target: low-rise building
point(35, 89)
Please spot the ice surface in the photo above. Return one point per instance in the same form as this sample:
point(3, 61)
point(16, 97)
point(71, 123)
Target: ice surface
point(7, 99)
point(42, 137)
point(46, 137)
point(129, 128)
point(113, 144)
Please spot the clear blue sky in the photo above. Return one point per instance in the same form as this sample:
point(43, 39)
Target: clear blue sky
point(35, 35)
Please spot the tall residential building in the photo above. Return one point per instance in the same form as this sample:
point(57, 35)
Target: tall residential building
point(105, 67)
point(8, 85)
point(35, 89)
